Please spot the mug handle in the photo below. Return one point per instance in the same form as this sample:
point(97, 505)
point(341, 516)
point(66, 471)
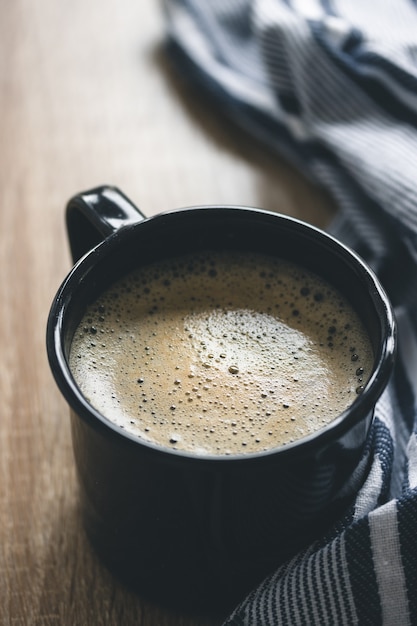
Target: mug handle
point(93, 215)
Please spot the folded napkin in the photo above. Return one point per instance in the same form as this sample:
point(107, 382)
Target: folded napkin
point(332, 87)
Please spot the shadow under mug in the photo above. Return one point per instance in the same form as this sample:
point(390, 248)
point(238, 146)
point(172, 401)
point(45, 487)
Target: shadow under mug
point(202, 530)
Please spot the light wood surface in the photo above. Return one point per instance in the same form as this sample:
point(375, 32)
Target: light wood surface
point(86, 98)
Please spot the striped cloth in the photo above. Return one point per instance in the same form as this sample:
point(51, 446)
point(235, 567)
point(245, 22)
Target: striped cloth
point(331, 85)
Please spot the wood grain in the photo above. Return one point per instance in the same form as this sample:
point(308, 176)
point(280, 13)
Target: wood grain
point(88, 97)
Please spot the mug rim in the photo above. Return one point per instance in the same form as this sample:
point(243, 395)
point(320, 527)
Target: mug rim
point(361, 405)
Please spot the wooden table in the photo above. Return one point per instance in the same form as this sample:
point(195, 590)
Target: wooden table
point(87, 97)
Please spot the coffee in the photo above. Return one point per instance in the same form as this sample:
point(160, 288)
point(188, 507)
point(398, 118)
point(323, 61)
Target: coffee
point(221, 353)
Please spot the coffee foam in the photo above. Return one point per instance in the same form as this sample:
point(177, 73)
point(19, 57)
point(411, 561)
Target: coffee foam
point(221, 353)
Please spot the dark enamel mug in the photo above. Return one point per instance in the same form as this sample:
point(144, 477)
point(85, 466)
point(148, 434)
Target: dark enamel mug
point(202, 530)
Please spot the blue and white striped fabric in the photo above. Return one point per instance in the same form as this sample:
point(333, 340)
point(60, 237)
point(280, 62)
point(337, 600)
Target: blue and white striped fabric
point(332, 86)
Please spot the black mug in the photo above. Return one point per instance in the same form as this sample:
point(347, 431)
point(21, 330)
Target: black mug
point(195, 530)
